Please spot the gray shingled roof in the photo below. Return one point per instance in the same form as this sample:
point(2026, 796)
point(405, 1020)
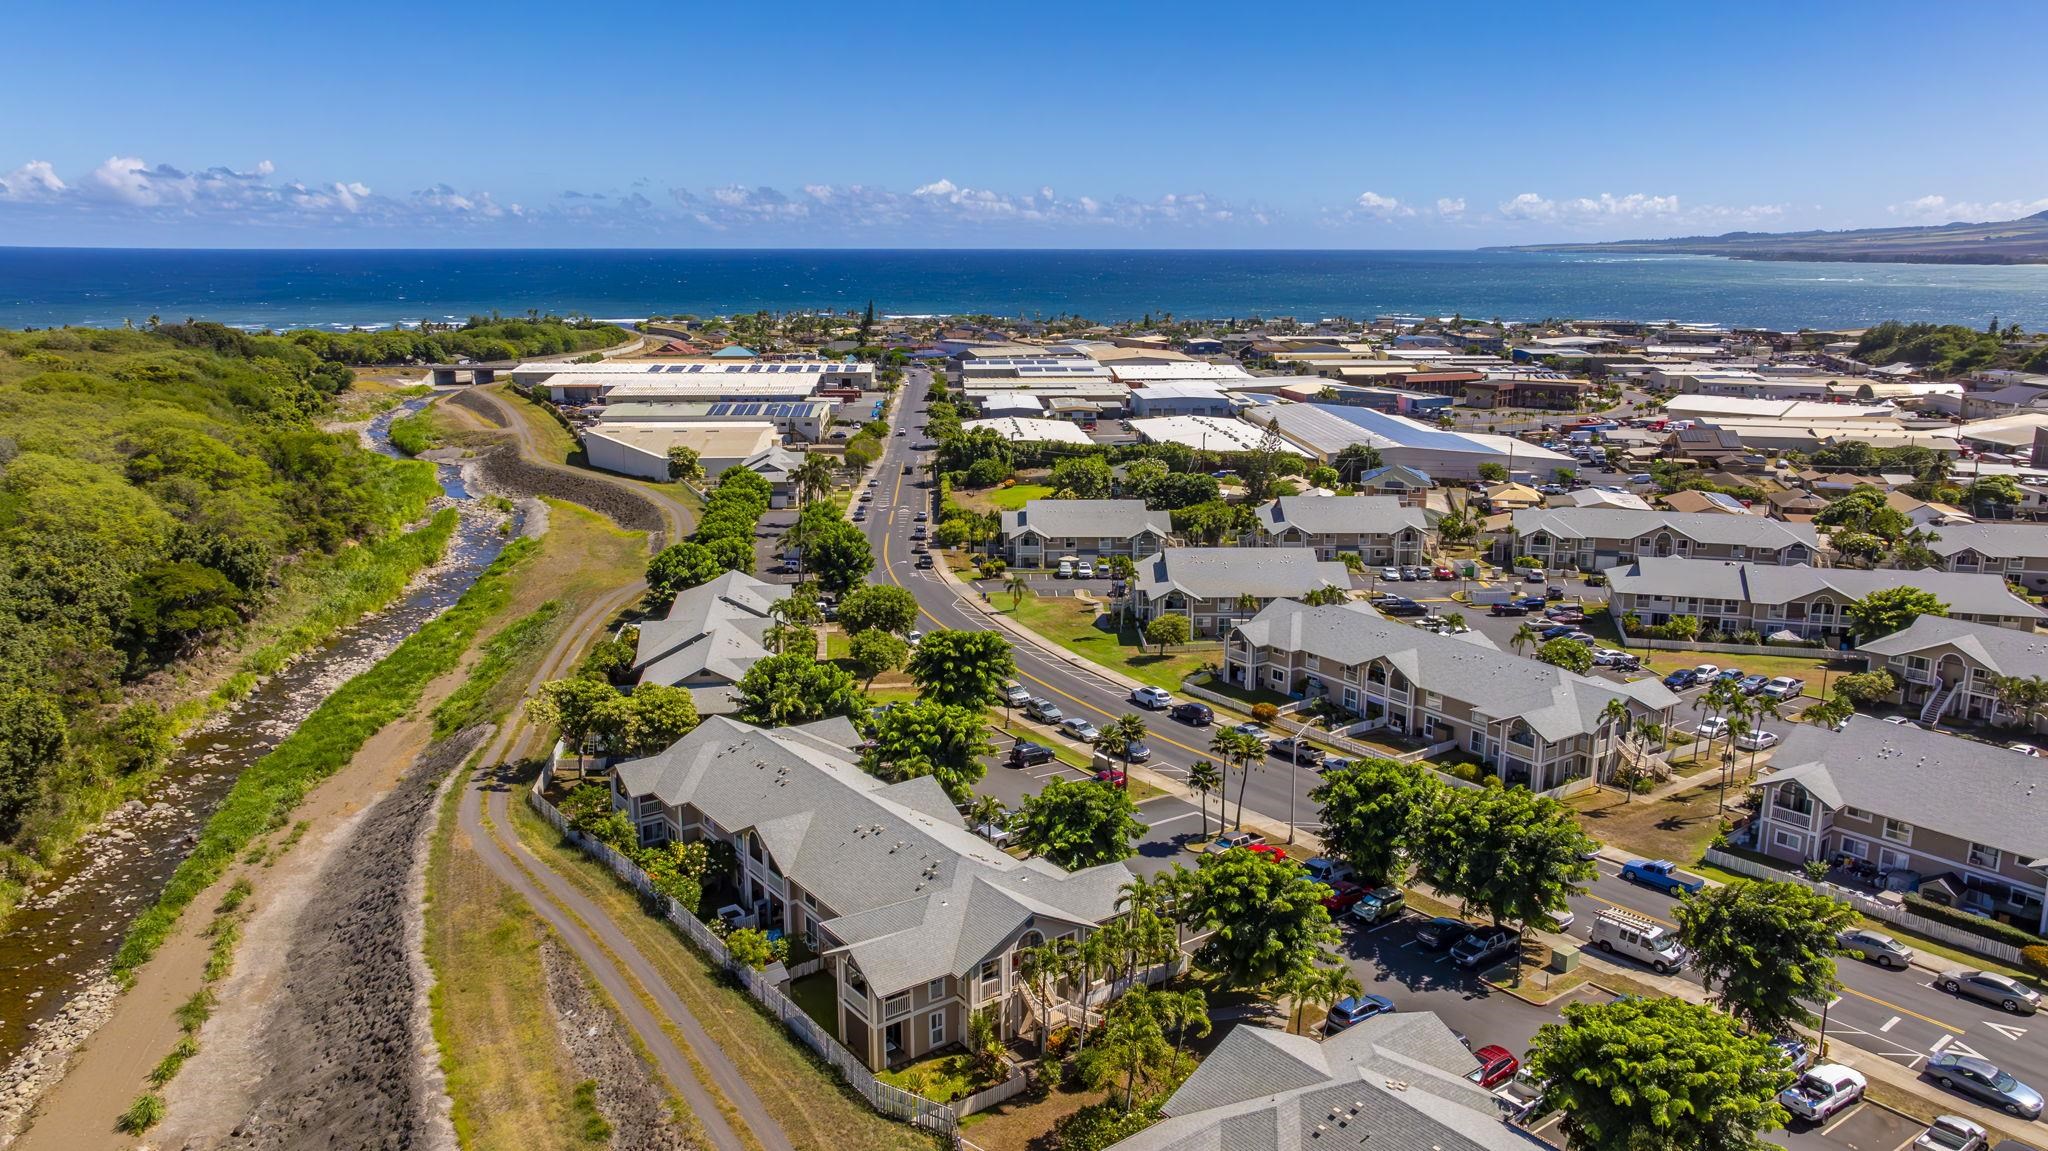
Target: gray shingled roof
point(1964, 592)
point(1116, 519)
point(1394, 1080)
point(715, 627)
point(1333, 515)
point(1997, 540)
point(1556, 703)
point(2003, 650)
point(1702, 527)
point(1225, 573)
point(916, 894)
point(1955, 786)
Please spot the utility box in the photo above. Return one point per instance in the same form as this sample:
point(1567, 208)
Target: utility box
point(1564, 957)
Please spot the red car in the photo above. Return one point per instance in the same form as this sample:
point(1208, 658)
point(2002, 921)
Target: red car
point(1497, 1065)
point(1342, 897)
point(1110, 776)
point(1272, 849)
point(1443, 572)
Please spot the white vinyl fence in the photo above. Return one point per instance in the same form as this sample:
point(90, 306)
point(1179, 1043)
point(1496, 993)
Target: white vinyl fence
point(884, 1098)
point(1891, 913)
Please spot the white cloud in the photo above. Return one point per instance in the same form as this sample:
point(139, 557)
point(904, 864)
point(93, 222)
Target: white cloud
point(35, 180)
point(1635, 205)
point(1450, 206)
point(1940, 210)
point(1382, 207)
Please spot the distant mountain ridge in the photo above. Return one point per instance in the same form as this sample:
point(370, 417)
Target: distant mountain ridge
point(2022, 241)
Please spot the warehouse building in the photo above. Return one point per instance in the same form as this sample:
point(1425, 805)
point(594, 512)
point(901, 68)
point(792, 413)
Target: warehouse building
point(695, 379)
point(800, 419)
point(1324, 430)
point(1020, 429)
point(1206, 433)
point(1179, 399)
point(641, 449)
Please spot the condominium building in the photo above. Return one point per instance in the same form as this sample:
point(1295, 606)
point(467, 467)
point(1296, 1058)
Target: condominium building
point(1809, 602)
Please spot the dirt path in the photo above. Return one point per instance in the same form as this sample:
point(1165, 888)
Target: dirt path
point(675, 514)
point(623, 973)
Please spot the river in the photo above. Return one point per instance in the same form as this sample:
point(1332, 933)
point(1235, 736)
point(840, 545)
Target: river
point(67, 928)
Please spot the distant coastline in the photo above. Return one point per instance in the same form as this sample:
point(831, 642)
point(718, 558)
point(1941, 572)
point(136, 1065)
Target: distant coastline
point(2003, 242)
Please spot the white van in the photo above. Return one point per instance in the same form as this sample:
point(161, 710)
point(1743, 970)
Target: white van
point(1642, 939)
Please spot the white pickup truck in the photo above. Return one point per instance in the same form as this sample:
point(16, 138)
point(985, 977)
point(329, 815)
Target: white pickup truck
point(1823, 1091)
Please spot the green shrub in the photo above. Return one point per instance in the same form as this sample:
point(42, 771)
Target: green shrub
point(146, 1112)
point(1988, 928)
point(1265, 712)
point(1100, 1125)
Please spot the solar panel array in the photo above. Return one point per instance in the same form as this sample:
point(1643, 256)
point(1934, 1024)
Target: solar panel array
point(733, 369)
point(761, 408)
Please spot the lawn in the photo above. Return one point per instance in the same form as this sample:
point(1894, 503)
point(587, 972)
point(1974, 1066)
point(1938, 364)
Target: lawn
point(1070, 623)
point(1007, 499)
point(940, 1080)
point(1678, 827)
point(1806, 664)
point(818, 995)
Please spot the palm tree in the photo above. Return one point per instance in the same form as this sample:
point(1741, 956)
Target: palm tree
point(1758, 710)
point(1205, 777)
point(1616, 718)
point(1738, 726)
point(1045, 967)
point(1184, 1011)
point(1523, 637)
point(986, 809)
point(1248, 604)
point(1247, 749)
point(813, 478)
point(2023, 696)
point(1327, 986)
point(1117, 738)
point(1454, 619)
point(1017, 586)
point(1096, 952)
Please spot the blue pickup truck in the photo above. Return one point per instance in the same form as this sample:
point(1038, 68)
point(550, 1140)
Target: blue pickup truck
point(1661, 874)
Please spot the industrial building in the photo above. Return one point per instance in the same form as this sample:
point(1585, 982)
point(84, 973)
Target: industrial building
point(1205, 433)
point(1179, 399)
point(702, 380)
point(1021, 429)
point(798, 419)
point(641, 449)
point(1324, 430)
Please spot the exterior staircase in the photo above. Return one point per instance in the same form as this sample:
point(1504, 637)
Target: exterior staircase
point(1937, 703)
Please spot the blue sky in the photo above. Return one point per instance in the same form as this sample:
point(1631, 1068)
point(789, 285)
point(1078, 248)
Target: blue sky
point(464, 123)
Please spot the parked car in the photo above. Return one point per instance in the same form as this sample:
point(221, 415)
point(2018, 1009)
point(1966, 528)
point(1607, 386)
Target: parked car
point(1507, 609)
point(1405, 607)
point(1485, 946)
point(1084, 570)
point(1355, 1009)
point(1712, 727)
point(1065, 570)
point(1329, 871)
point(1784, 687)
point(1231, 839)
point(1679, 680)
point(1296, 750)
point(1752, 683)
point(1705, 673)
point(1798, 1054)
point(1823, 1091)
point(1411, 574)
point(2000, 991)
point(1497, 1065)
point(1044, 710)
point(1250, 729)
point(1757, 740)
point(1138, 752)
point(1442, 932)
point(1343, 896)
point(1662, 875)
point(1444, 573)
point(1151, 698)
point(1278, 852)
point(1554, 592)
point(1556, 631)
point(1015, 694)
point(1110, 776)
point(1875, 947)
point(1951, 1133)
point(1079, 728)
point(1029, 754)
point(1969, 1075)
point(1521, 1097)
point(1391, 574)
point(1536, 575)
point(1193, 714)
point(1381, 905)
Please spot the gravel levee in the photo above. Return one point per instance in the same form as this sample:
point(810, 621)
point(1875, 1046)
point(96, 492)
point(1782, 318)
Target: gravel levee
point(627, 1095)
point(505, 470)
point(342, 1046)
point(476, 402)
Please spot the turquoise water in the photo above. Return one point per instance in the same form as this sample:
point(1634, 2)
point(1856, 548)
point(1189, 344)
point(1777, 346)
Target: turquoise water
point(44, 286)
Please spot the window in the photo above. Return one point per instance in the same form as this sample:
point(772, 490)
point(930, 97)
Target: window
point(938, 1028)
point(1853, 813)
point(1895, 860)
point(1897, 831)
point(1795, 799)
point(1478, 741)
point(1277, 676)
point(1789, 840)
point(935, 991)
point(1982, 856)
point(1855, 848)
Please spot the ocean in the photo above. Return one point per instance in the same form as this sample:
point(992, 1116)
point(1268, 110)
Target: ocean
point(339, 289)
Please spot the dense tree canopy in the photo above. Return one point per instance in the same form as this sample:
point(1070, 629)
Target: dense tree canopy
point(1643, 1073)
point(926, 738)
point(1079, 823)
point(152, 486)
point(967, 668)
point(1887, 610)
point(1266, 915)
point(1514, 855)
point(795, 688)
point(1367, 810)
point(883, 606)
point(1765, 949)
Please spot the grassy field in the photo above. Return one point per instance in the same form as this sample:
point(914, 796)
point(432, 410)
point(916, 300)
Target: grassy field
point(1806, 665)
point(1070, 623)
point(805, 1096)
point(1001, 499)
point(1678, 827)
point(510, 1080)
